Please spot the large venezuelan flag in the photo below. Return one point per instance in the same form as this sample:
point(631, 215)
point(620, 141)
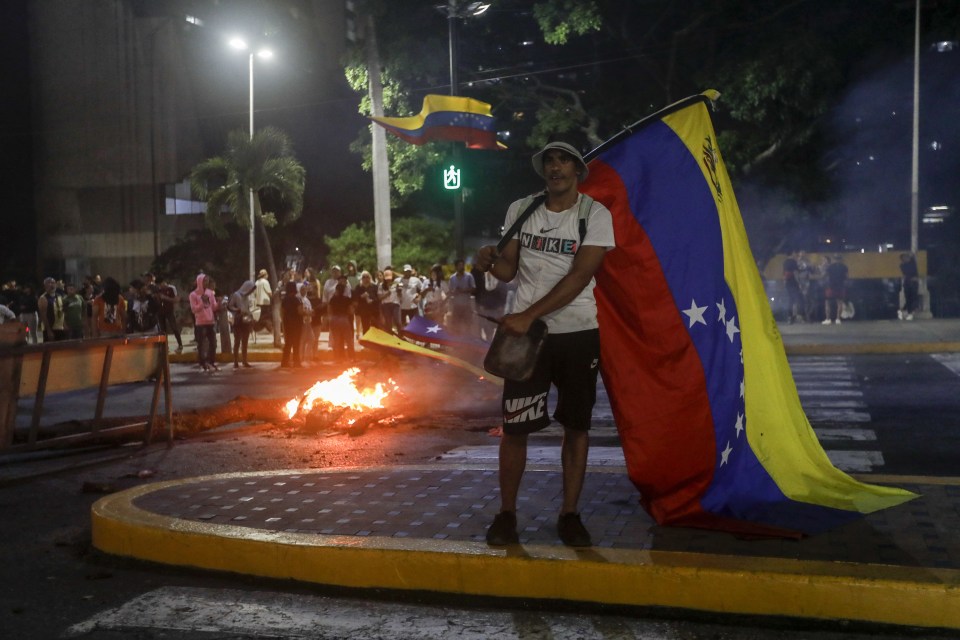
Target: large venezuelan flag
point(451, 118)
point(709, 417)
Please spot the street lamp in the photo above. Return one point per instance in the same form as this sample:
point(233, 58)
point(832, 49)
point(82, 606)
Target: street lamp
point(456, 10)
point(264, 54)
point(915, 169)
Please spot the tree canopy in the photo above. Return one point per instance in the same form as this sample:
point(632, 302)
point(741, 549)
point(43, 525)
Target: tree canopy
point(584, 69)
point(416, 241)
point(265, 164)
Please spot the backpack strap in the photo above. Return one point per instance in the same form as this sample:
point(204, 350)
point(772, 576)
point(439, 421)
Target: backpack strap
point(586, 205)
point(527, 206)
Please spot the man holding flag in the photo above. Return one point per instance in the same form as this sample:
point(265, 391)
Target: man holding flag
point(560, 247)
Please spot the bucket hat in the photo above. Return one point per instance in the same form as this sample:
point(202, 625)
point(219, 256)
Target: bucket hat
point(563, 146)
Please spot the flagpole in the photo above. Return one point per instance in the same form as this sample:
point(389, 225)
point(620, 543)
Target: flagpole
point(707, 96)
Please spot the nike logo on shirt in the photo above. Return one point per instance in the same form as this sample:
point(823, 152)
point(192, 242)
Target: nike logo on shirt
point(542, 230)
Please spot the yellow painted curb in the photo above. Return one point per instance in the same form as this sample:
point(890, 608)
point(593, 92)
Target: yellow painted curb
point(897, 595)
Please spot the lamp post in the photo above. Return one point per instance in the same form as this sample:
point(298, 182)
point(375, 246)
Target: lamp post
point(263, 53)
point(915, 167)
point(456, 10)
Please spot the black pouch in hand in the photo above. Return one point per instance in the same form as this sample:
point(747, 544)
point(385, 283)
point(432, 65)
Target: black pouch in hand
point(515, 357)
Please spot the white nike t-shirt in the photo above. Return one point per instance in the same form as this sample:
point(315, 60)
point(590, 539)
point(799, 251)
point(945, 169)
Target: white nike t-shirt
point(548, 244)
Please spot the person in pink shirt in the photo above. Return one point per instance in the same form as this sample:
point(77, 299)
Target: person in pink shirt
point(203, 303)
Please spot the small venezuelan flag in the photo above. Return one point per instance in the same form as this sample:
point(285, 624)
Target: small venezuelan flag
point(387, 342)
point(450, 118)
point(425, 330)
point(709, 416)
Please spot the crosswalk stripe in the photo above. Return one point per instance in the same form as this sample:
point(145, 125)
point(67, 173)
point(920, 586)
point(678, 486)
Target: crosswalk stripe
point(855, 461)
point(949, 360)
point(846, 393)
point(829, 390)
point(832, 404)
point(838, 434)
point(838, 416)
point(542, 455)
point(825, 384)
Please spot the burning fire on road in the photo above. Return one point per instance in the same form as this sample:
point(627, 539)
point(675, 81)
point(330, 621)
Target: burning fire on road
point(340, 402)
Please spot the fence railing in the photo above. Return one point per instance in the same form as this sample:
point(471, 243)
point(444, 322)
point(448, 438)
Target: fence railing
point(71, 365)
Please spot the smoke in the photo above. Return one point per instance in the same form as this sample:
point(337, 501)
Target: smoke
point(870, 161)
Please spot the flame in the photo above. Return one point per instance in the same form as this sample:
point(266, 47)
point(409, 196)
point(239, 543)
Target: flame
point(341, 391)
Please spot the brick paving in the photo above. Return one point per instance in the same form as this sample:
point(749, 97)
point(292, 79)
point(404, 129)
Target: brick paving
point(457, 504)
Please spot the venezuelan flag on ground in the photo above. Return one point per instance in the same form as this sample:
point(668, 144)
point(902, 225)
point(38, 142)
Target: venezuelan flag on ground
point(451, 118)
point(711, 423)
point(425, 330)
point(380, 340)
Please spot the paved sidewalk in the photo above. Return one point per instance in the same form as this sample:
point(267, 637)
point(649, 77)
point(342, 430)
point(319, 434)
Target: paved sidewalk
point(422, 528)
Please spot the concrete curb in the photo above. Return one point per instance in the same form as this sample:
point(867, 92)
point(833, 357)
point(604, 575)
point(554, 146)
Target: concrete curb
point(886, 594)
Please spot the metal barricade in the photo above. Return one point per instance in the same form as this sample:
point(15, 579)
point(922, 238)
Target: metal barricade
point(72, 365)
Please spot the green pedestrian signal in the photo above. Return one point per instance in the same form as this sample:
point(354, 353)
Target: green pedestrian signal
point(451, 178)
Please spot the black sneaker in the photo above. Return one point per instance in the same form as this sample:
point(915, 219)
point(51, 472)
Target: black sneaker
point(503, 530)
point(572, 532)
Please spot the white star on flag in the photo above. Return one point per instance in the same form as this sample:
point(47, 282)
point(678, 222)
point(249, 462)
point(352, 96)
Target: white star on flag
point(722, 309)
point(732, 329)
point(434, 329)
point(739, 425)
point(695, 313)
point(725, 455)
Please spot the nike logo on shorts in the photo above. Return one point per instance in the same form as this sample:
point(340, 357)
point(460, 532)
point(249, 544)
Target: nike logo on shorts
point(524, 409)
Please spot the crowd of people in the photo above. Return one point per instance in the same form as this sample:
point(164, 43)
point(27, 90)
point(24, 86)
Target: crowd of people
point(343, 303)
point(811, 287)
point(96, 307)
point(346, 304)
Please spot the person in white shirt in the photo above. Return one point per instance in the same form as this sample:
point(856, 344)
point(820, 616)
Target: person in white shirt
point(460, 291)
point(410, 288)
point(435, 295)
point(263, 299)
point(388, 292)
point(555, 268)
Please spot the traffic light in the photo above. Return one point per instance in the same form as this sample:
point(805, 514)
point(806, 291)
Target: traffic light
point(451, 178)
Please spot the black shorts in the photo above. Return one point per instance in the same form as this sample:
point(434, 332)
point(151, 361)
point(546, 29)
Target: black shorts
point(570, 361)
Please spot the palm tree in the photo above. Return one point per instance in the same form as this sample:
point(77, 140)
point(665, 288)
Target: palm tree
point(264, 163)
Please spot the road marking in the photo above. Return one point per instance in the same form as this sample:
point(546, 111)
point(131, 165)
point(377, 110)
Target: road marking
point(259, 614)
point(838, 434)
point(831, 415)
point(855, 461)
point(832, 404)
point(596, 431)
point(829, 393)
point(597, 456)
point(839, 393)
point(821, 383)
point(949, 360)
